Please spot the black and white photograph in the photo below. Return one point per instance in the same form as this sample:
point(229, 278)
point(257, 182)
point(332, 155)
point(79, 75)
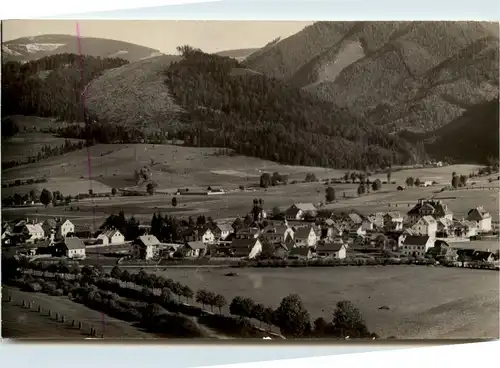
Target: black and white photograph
point(325, 181)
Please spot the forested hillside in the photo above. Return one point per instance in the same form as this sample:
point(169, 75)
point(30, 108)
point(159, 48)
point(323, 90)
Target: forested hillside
point(51, 86)
point(416, 76)
point(264, 117)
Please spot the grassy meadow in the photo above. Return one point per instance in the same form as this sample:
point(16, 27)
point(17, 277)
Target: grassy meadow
point(425, 302)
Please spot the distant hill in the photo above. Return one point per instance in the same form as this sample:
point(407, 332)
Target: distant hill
point(416, 76)
point(33, 48)
point(239, 54)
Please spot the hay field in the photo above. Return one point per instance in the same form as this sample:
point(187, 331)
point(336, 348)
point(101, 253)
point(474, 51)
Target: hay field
point(425, 302)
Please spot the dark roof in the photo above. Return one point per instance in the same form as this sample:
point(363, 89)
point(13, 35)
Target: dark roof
point(477, 214)
point(51, 223)
point(329, 247)
point(416, 240)
point(74, 243)
point(302, 232)
point(196, 245)
point(300, 251)
point(243, 243)
point(438, 209)
point(82, 227)
point(292, 211)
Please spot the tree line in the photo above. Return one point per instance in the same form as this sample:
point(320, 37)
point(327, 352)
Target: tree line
point(291, 317)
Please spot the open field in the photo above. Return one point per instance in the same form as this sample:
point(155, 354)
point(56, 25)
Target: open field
point(18, 322)
point(238, 203)
point(425, 302)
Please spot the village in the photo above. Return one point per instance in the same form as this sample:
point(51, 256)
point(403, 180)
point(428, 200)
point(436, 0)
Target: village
point(301, 232)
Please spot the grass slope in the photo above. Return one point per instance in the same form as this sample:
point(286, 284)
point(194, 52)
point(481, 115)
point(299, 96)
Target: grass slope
point(33, 48)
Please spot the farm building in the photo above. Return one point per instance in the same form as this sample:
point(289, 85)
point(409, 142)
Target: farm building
point(301, 253)
point(373, 221)
point(416, 245)
point(195, 249)
point(112, 236)
point(336, 250)
point(246, 248)
point(145, 247)
point(305, 237)
point(466, 228)
point(356, 231)
point(83, 231)
point(442, 251)
point(482, 218)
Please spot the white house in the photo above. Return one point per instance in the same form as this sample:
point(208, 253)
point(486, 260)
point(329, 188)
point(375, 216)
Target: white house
point(356, 231)
point(207, 236)
point(246, 248)
point(416, 245)
point(335, 250)
point(67, 227)
point(481, 218)
point(145, 247)
point(305, 237)
point(33, 232)
point(469, 228)
point(427, 225)
point(73, 248)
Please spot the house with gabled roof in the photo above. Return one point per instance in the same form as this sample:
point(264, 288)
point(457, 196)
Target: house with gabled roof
point(298, 211)
point(416, 245)
point(145, 247)
point(305, 237)
point(426, 225)
point(64, 228)
point(355, 218)
point(73, 247)
point(276, 233)
point(246, 248)
point(335, 250)
point(482, 218)
point(434, 208)
point(466, 228)
point(195, 249)
point(207, 235)
point(222, 231)
point(33, 233)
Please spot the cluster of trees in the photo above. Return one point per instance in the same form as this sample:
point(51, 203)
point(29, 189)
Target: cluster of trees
point(9, 127)
point(458, 181)
point(267, 180)
point(51, 86)
point(263, 117)
point(98, 131)
point(170, 229)
point(45, 197)
point(128, 227)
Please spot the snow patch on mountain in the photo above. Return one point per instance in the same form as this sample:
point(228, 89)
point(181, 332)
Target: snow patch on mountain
point(41, 47)
point(121, 52)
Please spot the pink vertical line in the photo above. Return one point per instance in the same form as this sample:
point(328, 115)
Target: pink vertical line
point(84, 91)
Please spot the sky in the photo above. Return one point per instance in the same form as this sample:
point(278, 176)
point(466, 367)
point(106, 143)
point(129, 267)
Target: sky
point(163, 35)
